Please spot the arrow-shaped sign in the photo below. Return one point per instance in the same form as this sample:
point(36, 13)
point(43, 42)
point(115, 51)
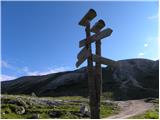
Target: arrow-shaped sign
point(103, 60)
point(82, 56)
point(88, 17)
point(105, 33)
point(83, 53)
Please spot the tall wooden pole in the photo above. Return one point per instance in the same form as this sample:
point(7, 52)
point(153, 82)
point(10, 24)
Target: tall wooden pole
point(98, 70)
point(91, 80)
point(98, 77)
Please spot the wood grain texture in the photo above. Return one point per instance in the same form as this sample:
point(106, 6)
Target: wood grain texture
point(88, 17)
point(105, 33)
point(83, 53)
point(102, 60)
point(82, 57)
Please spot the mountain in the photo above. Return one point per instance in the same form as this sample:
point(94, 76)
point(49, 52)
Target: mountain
point(130, 79)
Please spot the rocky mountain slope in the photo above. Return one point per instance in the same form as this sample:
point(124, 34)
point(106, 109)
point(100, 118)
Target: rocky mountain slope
point(130, 79)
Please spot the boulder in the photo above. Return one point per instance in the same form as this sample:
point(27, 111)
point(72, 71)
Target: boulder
point(84, 111)
point(33, 94)
point(19, 110)
point(20, 102)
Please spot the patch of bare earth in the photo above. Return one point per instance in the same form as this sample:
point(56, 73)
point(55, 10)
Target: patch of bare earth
point(131, 108)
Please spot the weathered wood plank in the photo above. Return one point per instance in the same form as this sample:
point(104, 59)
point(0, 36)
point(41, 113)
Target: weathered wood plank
point(102, 60)
point(83, 53)
point(82, 57)
point(105, 33)
point(78, 63)
point(98, 26)
point(88, 17)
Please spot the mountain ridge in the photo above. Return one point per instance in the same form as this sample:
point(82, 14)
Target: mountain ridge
point(129, 77)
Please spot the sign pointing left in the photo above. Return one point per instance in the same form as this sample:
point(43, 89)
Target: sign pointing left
point(82, 56)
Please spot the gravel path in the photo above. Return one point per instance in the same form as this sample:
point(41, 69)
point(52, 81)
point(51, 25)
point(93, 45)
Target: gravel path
point(131, 108)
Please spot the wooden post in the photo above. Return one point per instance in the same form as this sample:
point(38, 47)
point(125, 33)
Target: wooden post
point(98, 77)
point(91, 80)
point(98, 70)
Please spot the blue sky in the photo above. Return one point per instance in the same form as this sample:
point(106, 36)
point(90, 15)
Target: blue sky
point(42, 37)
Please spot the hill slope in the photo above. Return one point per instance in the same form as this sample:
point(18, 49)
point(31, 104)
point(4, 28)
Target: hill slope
point(130, 79)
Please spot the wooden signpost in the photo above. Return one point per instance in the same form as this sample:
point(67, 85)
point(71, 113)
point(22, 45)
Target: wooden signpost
point(94, 74)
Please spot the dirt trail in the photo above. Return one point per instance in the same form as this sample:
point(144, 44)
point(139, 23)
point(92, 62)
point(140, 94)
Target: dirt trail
point(131, 108)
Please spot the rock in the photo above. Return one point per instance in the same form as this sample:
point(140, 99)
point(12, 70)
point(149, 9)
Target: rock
point(44, 102)
point(34, 116)
point(20, 110)
point(19, 102)
point(55, 114)
point(33, 94)
point(84, 111)
point(109, 102)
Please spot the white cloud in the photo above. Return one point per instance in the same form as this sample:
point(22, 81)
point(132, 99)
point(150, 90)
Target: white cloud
point(141, 54)
point(5, 64)
point(153, 17)
point(146, 45)
point(6, 77)
point(26, 71)
point(54, 70)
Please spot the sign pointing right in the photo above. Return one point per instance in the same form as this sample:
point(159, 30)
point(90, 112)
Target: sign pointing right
point(105, 33)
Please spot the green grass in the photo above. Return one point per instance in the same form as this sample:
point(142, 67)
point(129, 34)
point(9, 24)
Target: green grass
point(108, 110)
point(69, 110)
point(107, 96)
point(150, 114)
point(66, 98)
point(9, 110)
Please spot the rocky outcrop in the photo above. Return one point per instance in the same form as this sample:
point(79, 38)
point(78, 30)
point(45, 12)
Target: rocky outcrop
point(136, 78)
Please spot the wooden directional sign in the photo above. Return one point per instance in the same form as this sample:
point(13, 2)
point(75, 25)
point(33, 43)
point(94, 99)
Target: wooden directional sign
point(103, 60)
point(82, 56)
point(84, 52)
point(98, 26)
point(88, 17)
point(105, 33)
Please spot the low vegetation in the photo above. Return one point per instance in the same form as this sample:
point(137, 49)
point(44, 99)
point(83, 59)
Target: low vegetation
point(32, 107)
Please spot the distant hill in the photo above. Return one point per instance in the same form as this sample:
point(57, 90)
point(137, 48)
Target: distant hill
point(130, 79)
